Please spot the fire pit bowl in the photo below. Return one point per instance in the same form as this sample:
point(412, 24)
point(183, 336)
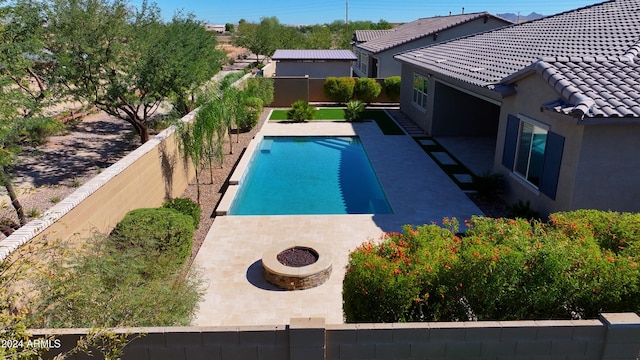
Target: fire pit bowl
point(300, 276)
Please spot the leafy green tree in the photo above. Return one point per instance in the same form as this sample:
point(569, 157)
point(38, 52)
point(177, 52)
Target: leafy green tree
point(267, 36)
point(188, 57)
point(248, 36)
point(319, 37)
point(229, 27)
point(126, 61)
point(25, 87)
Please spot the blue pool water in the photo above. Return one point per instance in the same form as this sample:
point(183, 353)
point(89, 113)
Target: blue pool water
point(310, 175)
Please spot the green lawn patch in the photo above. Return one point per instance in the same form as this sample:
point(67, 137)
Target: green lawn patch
point(321, 114)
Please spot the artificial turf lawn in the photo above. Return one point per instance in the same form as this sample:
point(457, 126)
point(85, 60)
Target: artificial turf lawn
point(321, 114)
point(381, 118)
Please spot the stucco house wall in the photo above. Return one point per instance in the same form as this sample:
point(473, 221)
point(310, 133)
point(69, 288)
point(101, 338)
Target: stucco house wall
point(533, 91)
point(608, 174)
point(600, 167)
point(420, 116)
point(313, 68)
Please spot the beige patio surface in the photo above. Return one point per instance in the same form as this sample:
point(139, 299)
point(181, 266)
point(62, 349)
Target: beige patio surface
point(229, 259)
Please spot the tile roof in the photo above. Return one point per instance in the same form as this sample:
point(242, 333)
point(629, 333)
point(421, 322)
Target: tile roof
point(418, 29)
point(607, 29)
point(592, 87)
point(314, 55)
point(368, 35)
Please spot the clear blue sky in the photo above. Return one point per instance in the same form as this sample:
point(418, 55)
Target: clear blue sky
point(319, 12)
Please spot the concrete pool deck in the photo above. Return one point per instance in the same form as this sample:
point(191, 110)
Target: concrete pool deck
point(236, 293)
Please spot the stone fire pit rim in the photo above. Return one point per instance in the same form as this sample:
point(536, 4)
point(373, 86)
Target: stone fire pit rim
point(271, 263)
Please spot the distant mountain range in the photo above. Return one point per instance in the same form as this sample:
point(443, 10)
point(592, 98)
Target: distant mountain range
point(515, 18)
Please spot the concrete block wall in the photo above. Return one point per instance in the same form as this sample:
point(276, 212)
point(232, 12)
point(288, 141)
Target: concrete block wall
point(612, 337)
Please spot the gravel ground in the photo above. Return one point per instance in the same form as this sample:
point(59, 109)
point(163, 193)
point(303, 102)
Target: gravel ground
point(47, 174)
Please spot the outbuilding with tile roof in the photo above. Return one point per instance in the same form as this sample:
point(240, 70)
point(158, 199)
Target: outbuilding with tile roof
point(559, 99)
point(313, 63)
point(375, 49)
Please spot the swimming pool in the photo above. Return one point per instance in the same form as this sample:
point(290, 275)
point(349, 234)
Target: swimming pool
point(309, 175)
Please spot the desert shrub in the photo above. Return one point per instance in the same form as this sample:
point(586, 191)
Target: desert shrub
point(392, 87)
point(301, 111)
point(262, 88)
point(488, 184)
point(366, 89)
point(354, 110)
point(36, 131)
point(617, 232)
point(253, 107)
point(339, 89)
point(500, 269)
point(165, 235)
point(101, 285)
point(229, 79)
point(185, 206)
point(523, 209)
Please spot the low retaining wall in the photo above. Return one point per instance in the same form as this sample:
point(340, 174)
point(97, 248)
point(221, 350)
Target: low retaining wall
point(613, 336)
point(144, 178)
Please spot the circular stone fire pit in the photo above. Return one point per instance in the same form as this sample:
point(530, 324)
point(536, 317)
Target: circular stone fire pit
point(297, 275)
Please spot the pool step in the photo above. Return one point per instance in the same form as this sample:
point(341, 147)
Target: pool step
point(338, 144)
point(265, 145)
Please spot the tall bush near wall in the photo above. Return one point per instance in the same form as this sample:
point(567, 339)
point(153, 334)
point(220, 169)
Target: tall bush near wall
point(339, 89)
point(392, 87)
point(261, 88)
point(501, 269)
point(366, 90)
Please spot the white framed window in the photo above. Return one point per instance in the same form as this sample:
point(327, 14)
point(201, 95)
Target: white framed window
point(420, 86)
point(530, 148)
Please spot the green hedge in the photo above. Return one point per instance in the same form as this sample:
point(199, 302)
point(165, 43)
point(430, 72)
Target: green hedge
point(262, 88)
point(339, 89)
point(391, 87)
point(185, 206)
point(165, 235)
point(366, 90)
point(578, 265)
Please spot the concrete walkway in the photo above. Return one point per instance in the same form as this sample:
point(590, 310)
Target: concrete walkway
point(229, 259)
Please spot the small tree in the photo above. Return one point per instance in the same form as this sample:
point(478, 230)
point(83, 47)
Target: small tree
point(339, 89)
point(366, 89)
point(392, 87)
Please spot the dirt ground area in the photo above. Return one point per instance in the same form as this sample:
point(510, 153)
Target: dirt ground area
point(47, 174)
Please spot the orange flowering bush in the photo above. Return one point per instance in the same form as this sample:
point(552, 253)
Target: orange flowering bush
point(577, 265)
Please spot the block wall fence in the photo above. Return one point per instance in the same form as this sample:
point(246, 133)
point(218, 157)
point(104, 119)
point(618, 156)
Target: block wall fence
point(613, 336)
point(290, 89)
